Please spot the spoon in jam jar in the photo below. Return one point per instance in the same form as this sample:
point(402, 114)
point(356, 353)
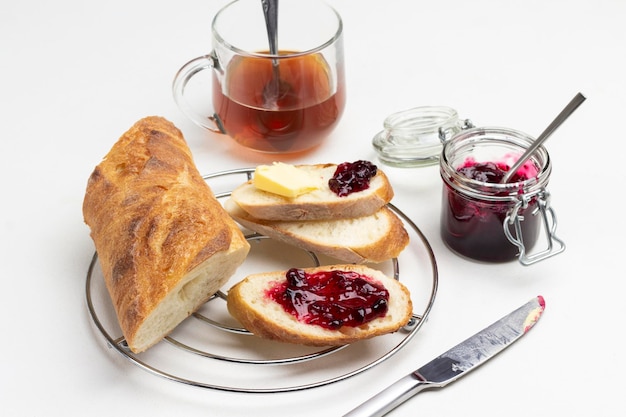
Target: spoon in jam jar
point(565, 113)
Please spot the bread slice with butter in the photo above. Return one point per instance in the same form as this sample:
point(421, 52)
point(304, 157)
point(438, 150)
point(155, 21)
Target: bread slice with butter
point(300, 192)
point(372, 238)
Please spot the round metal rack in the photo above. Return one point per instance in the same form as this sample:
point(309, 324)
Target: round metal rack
point(210, 350)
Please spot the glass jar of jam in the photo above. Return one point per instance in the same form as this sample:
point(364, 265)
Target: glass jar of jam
point(413, 137)
point(485, 220)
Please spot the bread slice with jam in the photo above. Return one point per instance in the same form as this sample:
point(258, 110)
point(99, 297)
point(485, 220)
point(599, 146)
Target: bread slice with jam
point(322, 306)
point(319, 202)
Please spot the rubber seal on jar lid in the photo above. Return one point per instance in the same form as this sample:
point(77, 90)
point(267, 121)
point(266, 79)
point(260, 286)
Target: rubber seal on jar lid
point(414, 137)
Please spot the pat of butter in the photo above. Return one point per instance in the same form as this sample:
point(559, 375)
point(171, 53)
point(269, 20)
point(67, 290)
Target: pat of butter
point(284, 179)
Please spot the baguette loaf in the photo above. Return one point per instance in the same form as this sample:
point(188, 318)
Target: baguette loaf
point(319, 204)
point(250, 303)
point(165, 244)
point(374, 238)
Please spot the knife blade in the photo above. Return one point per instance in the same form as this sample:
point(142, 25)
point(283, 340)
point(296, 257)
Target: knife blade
point(456, 362)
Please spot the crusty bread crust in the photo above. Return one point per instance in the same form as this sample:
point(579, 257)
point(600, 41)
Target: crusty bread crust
point(165, 244)
point(374, 238)
point(320, 204)
point(248, 303)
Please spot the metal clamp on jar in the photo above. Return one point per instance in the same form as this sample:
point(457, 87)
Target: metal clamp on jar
point(485, 219)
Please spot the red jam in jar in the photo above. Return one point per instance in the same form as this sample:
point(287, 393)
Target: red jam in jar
point(331, 299)
point(476, 207)
point(350, 177)
point(494, 172)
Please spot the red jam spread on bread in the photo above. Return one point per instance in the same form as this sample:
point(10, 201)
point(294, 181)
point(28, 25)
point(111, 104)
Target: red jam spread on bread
point(350, 177)
point(331, 299)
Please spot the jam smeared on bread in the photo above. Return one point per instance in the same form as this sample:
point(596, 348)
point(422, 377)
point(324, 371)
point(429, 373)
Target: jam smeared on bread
point(331, 299)
point(319, 202)
point(352, 177)
point(250, 302)
point(357, 227)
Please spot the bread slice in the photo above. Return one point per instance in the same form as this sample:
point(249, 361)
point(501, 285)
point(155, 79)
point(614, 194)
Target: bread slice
point(164, 242)
point(374, 238)
point(248, 301)
point(319, 204)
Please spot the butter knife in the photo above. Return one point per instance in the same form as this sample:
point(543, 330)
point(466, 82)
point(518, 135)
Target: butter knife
point(457, 361)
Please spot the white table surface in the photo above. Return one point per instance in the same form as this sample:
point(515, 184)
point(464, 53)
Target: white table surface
point(75, 75)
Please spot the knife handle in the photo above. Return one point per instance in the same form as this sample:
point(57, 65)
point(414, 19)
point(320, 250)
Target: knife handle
point(390, 397)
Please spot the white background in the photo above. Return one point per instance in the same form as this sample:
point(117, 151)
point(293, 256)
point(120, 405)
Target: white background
point(75, 75)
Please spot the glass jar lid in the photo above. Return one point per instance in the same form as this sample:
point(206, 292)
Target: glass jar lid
point(414, 137)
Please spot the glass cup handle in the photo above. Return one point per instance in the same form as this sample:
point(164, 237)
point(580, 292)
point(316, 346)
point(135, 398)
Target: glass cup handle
point(548, 216)
point(183, 76)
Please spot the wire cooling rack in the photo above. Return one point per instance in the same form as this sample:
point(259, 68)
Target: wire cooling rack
point(211, 350)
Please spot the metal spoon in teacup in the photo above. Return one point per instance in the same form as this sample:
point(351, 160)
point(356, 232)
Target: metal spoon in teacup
point(565, 113)
point(276, 88)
